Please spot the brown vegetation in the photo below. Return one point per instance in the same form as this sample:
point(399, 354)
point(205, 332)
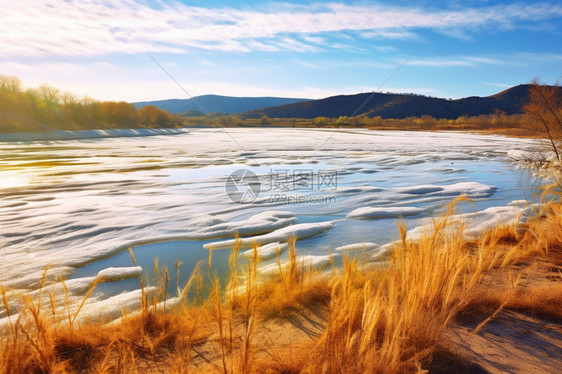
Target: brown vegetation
point(45, 108)
point(496, 122)
point(543, 113)
point(382, 318)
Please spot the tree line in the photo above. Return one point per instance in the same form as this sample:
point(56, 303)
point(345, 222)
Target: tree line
point(46, 107)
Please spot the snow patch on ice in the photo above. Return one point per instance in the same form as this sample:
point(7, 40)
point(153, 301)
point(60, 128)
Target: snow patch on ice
point(267, 251)
point(374, 250)
point(207, 227)
point(113, 307)
point(477, 223)
point(384, 212)
point(303, 262)
point(299, 231)
point(365, 246)
point(113, 274)
point(471, 189)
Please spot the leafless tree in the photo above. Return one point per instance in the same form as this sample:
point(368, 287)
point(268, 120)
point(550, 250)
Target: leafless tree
point(543, 113)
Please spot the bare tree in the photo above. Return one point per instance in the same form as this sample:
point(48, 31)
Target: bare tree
point(49, 94)
point(9, 85)
point(543, 113)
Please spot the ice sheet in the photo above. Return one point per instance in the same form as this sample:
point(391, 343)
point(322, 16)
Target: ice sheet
point(70, 203)
point(471, 189)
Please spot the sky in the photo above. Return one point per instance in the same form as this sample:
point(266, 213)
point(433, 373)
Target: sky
point(136, 50)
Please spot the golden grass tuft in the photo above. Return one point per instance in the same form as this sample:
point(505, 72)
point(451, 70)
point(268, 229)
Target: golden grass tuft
point(295, 287)
point(379, 318)
point(389, 319)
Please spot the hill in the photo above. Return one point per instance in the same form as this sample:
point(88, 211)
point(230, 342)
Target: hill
point(216, 103)
point(389, 105)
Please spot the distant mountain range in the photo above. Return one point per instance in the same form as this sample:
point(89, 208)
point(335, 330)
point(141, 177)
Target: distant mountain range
point(386, 105)
point(214, 103)
point(389, 105)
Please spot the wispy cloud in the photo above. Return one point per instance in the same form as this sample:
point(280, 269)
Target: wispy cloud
point(469, 61)
point(501, 85)
point(97, 27)
point(388, 34)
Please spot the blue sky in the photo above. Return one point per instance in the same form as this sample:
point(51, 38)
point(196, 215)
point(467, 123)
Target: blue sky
point(453, 49)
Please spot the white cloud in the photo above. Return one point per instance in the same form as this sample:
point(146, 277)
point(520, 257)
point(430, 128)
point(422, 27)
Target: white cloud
point(501, 85)
point(208, 63)
point(389, 34)
point(439, 62)
point(97, 27)
point(468, 61)
point(294, 45)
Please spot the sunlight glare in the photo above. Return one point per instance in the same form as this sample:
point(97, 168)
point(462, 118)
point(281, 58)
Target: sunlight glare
point(13, 181)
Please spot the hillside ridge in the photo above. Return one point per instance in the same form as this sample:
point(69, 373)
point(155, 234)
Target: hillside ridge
point(216, 103)
point(391, 105)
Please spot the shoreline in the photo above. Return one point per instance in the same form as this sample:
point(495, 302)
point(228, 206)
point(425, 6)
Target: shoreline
point(55, 134)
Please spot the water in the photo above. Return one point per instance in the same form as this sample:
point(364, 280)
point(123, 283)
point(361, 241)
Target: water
point(79, 204)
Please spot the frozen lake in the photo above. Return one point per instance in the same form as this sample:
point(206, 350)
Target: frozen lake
point(77, 205)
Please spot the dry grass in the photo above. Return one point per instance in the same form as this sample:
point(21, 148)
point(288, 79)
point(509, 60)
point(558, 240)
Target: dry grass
point(390, 319)
point(379, 318)
point(44, 339)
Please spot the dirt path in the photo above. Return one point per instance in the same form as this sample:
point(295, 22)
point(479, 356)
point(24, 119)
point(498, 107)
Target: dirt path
point(521, 339)
point(512, 342)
